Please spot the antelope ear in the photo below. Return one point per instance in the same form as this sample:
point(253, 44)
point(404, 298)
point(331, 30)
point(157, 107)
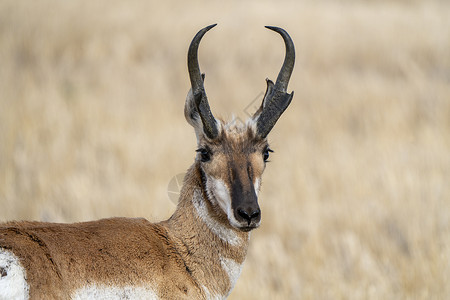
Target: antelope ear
point(191, 112)
point(192, 108)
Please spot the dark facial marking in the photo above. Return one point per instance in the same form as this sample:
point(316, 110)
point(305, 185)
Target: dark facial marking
point(205, 154)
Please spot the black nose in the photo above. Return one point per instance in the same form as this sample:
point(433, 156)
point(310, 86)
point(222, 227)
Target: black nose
point(249, 214)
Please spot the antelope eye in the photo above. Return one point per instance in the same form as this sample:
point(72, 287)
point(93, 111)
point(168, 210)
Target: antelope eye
point(205, 154)
point(266, 154)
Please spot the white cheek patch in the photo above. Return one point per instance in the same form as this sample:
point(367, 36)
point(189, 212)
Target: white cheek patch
point(105, 292)
point(257, 185)
point(218, 190)
point(12, 279)
point(222, 194)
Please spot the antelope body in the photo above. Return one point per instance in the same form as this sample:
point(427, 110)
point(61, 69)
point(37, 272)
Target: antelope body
point(196, 254)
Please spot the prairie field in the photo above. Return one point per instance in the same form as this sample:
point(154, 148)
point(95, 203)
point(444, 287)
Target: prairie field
point(356, 199)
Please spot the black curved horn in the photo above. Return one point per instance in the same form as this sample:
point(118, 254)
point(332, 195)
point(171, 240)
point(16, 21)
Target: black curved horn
point(276, 99)
point(289, 59)
point(198, 90)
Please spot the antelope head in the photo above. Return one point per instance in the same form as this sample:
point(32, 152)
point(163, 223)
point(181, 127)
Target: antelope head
point(231, 157)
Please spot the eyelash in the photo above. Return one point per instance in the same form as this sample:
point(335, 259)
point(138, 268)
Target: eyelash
point(266, 154)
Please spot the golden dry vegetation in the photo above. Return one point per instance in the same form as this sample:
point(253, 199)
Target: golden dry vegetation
point(356, 200)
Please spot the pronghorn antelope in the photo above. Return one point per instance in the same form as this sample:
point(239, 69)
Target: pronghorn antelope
point(196, 254)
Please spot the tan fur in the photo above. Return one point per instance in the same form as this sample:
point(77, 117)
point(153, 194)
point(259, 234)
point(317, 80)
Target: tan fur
point(196, 254)
point(237, 146)
point(177, 258)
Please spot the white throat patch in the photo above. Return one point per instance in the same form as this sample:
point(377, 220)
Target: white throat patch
point(106, 292)
point(232, 268)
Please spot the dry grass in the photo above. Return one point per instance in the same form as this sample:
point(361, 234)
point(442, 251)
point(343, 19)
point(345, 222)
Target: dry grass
point(356, 201)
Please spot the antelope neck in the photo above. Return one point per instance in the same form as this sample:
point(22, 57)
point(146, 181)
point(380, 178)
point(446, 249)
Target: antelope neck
point(212, 250)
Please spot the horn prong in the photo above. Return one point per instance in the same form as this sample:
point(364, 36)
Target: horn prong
point(276, 99)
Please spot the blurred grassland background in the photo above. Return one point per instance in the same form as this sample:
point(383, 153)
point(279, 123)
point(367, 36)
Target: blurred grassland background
point(356, 200)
